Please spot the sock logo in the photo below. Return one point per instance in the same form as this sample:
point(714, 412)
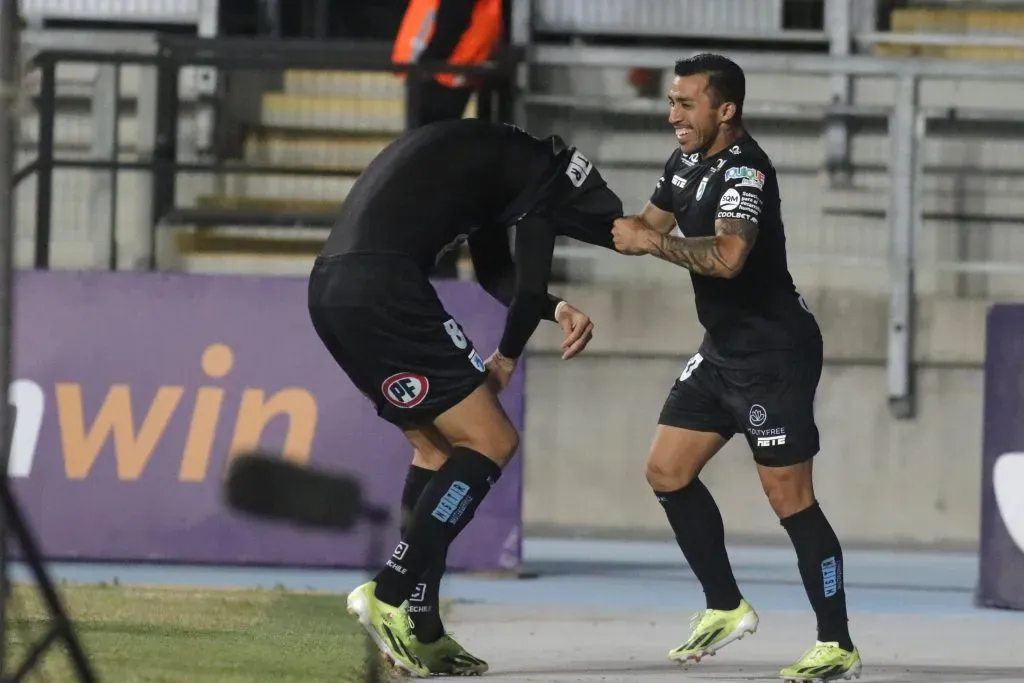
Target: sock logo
point(450, 502)
point(830, 576)
point(416, 600)
point(400, 550)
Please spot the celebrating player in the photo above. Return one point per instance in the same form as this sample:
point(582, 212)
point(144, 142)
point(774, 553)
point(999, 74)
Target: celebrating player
point(373, 306)
point(756, 371)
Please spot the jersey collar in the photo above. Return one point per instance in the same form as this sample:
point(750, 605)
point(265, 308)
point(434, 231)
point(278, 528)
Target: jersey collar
point(731, 150)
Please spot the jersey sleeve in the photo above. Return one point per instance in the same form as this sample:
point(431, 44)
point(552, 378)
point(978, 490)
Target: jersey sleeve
point(743, 191)
point(535, 247)
point(520, 284)
point(662, 195)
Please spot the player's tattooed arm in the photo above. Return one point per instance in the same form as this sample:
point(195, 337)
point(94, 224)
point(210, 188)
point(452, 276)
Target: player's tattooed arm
point(656, 219)
point(722, 255)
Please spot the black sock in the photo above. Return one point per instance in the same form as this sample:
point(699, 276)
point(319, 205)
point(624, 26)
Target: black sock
point(820, 559)
point(424, 604)
point(446, 506)
point(697, 523)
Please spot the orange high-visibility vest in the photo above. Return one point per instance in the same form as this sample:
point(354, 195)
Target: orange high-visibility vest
point(476, 45)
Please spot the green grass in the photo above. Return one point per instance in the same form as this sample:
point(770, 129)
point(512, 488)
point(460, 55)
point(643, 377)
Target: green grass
point(141, 634)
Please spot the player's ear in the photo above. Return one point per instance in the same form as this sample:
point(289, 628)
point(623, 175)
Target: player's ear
point(727, 112)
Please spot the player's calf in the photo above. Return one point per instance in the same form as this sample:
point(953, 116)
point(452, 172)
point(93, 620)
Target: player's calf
point(819, 554)
point(482, 441)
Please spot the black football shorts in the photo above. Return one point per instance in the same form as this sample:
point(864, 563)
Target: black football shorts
point(772, 405)
point(382, 321)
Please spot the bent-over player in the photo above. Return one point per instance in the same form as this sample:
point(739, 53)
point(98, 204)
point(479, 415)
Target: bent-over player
point(373, 306)
point(756, 372)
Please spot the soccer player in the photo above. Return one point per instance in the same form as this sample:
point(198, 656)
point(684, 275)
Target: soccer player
point(756, 371)
point(375, 310)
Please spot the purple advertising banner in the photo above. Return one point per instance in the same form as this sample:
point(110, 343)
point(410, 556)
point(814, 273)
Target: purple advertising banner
point(1001, 574)
point(131, 390)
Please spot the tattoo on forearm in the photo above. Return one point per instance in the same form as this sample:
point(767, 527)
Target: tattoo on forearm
point(737, 226)
point(700, 255)
point(703, 255)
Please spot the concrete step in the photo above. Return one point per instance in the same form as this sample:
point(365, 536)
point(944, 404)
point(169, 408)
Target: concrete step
point(313, 150)
point(288, 187)
point(337, 113)
point(956, 22)
point(965, 52)
point(316, 113)
point(252, 241)
point(268, 204)
point(369, 84)
point(240, 250)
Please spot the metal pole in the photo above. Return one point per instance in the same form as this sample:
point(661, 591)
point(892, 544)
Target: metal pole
point(9, 96)
point(905, 136)
point(838, 21)
point(521, 35)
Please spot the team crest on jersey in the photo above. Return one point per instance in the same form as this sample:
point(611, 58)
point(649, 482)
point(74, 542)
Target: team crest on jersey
point(406, 389)
point(704, 181)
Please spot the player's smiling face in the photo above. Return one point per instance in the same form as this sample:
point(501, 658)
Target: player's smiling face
point(693, 114)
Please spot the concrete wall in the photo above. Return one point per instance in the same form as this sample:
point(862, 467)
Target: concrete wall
point(882, 481)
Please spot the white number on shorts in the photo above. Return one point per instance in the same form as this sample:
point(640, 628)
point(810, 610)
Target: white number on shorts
point(459, 339)
point(691, 365)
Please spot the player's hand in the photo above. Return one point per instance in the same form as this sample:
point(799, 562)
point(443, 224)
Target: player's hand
point(631, 236)
point(500, 371)
point(578, 328)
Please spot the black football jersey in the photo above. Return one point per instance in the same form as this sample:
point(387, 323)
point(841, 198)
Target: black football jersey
point(760, 309)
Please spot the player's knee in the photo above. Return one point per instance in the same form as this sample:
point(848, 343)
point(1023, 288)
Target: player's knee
point(498, 442)
point(789, 489)
point(430, 458)
point(664, 474)
point(430, 448)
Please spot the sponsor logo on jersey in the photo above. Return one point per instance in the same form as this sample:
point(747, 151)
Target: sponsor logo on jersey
point(476, 360)
point(579, 168)
point(750, 177)
point(406, 389)
point(730, 200)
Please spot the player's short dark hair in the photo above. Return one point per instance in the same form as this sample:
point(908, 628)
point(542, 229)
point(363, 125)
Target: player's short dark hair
point(726, 80)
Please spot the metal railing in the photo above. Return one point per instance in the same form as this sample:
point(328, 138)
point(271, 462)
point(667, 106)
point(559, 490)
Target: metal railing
point(174, 54)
